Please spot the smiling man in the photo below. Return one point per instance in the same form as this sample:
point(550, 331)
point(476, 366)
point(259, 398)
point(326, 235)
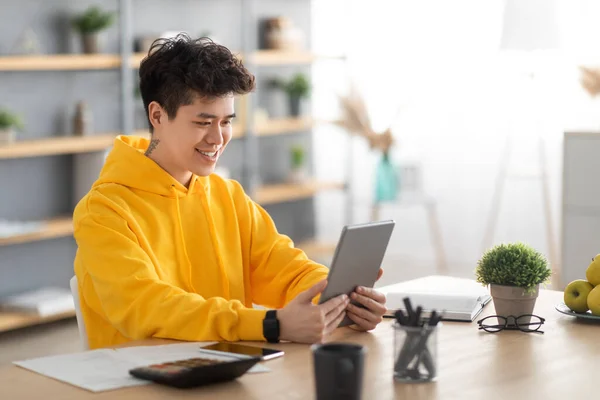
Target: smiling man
point(168, 249)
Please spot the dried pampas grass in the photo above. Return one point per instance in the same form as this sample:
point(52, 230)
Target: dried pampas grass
point(590, 80)
point(356, 120)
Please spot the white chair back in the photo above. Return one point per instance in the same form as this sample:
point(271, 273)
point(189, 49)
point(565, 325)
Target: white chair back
point(80, 321)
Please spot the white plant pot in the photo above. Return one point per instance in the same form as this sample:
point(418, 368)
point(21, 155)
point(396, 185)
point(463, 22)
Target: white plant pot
point(297, 175)
point(7, 136)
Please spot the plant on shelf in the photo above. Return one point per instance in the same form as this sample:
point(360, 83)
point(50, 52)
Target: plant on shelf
point(514, 272)
point(9, 122)
point(89, 24)
point(298, 170)
point(296, 89)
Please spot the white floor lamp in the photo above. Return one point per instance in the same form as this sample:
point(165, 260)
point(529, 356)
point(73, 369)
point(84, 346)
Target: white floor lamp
point(529, 26)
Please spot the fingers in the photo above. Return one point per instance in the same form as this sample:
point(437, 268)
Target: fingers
point(379, 274)
point(361, 322)
point(365, 314)
point(332, 304)
point(372, 293)
point(376, 303)
point(334, 324)
point(333, 314)
point(310, 293)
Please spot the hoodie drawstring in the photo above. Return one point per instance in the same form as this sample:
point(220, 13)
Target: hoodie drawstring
point(187, 258)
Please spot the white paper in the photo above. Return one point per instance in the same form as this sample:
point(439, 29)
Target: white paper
point(108, 369)
point(95, 370)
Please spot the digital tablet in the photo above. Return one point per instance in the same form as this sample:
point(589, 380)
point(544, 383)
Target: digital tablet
point(357, 259)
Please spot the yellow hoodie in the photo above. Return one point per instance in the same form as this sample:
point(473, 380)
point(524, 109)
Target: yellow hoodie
point(157, 259)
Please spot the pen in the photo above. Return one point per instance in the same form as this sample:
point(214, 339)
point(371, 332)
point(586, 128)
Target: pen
point(415, 345)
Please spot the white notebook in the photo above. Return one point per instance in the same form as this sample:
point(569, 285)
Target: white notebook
point(460, 299)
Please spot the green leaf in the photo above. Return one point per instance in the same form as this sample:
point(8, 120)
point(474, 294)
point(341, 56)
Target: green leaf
point(513, 264)
point(9, 119)
point(93, 20)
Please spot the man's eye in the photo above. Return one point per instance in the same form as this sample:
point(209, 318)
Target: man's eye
point(227, 122)
point(203, 123)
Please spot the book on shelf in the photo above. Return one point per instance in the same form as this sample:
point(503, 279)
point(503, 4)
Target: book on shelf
point(43, 302)
point(458, 298)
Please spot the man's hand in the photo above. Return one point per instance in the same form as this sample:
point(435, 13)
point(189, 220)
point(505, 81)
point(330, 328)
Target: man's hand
point(367, 318)
point(302, 321)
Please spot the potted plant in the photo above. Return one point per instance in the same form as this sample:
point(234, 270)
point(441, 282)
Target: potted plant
point(514, 272)
point(89, 24)
point(297, 88)
point(8, 123)
point(298, 172)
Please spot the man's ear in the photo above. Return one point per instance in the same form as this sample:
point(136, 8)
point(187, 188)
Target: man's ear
point(156, 114)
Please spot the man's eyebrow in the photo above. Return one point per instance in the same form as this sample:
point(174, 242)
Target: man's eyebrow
point(207, 115)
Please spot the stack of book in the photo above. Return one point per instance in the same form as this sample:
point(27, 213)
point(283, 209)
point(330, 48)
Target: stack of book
point(43, 302)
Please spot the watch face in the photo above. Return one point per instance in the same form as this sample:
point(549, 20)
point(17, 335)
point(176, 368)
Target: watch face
point(271, 329)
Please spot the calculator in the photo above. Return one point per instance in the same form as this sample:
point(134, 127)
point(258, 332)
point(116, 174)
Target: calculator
point(195, 371)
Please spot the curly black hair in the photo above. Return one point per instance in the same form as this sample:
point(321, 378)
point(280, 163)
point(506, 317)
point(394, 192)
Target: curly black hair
point(179, 69)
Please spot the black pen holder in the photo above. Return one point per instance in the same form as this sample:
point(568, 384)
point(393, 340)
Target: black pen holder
point(415, 353)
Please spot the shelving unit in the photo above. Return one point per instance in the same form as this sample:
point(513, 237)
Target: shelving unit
point(57, 146)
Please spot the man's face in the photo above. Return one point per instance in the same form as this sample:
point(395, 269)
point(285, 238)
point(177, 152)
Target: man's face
point(196, 137)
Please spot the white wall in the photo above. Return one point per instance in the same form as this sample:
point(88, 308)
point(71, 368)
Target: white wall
point(461, 98)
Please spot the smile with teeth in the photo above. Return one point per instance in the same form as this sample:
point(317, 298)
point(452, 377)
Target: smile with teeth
point(208, 154)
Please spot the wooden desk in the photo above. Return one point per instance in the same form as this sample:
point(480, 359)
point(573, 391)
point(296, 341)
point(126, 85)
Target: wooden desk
point(561, 364)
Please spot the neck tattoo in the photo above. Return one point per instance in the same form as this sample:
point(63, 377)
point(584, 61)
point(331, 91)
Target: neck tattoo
point(152, 146)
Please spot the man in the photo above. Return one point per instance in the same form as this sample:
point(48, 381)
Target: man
point(167, 249)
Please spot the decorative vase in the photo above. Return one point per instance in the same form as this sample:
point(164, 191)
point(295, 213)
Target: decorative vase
point(513, 300)
point(295, 102)
point(7, 135)
point(90, 43)
point(386, 180)
point(82, 120)
point(281, 34)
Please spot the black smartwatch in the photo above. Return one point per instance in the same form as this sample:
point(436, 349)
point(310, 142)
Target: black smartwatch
point(271, 327)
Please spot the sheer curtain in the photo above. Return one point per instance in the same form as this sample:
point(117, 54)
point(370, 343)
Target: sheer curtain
point(460, 97)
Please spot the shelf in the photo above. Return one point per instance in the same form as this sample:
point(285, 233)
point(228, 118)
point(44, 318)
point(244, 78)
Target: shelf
point(279, 57)
point(279, 193)
point(237, 133)
point(262, 57)
point(57, 145)
point(315, 248)
point(279, 126)
point(10, 320)
point(136, 59)
point(60, 62)
point(73, 62)
point(52, 228)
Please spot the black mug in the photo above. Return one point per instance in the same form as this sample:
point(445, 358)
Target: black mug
point(338, 370)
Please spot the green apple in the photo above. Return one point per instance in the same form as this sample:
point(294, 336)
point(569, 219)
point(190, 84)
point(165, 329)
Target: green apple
point(576, 295)
point(592, 273)
point(593, 301)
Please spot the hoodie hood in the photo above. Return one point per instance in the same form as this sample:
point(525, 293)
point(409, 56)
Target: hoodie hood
point(127, 165)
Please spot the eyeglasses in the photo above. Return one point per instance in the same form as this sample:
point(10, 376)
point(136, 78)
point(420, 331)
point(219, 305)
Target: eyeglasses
point(525, 323)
